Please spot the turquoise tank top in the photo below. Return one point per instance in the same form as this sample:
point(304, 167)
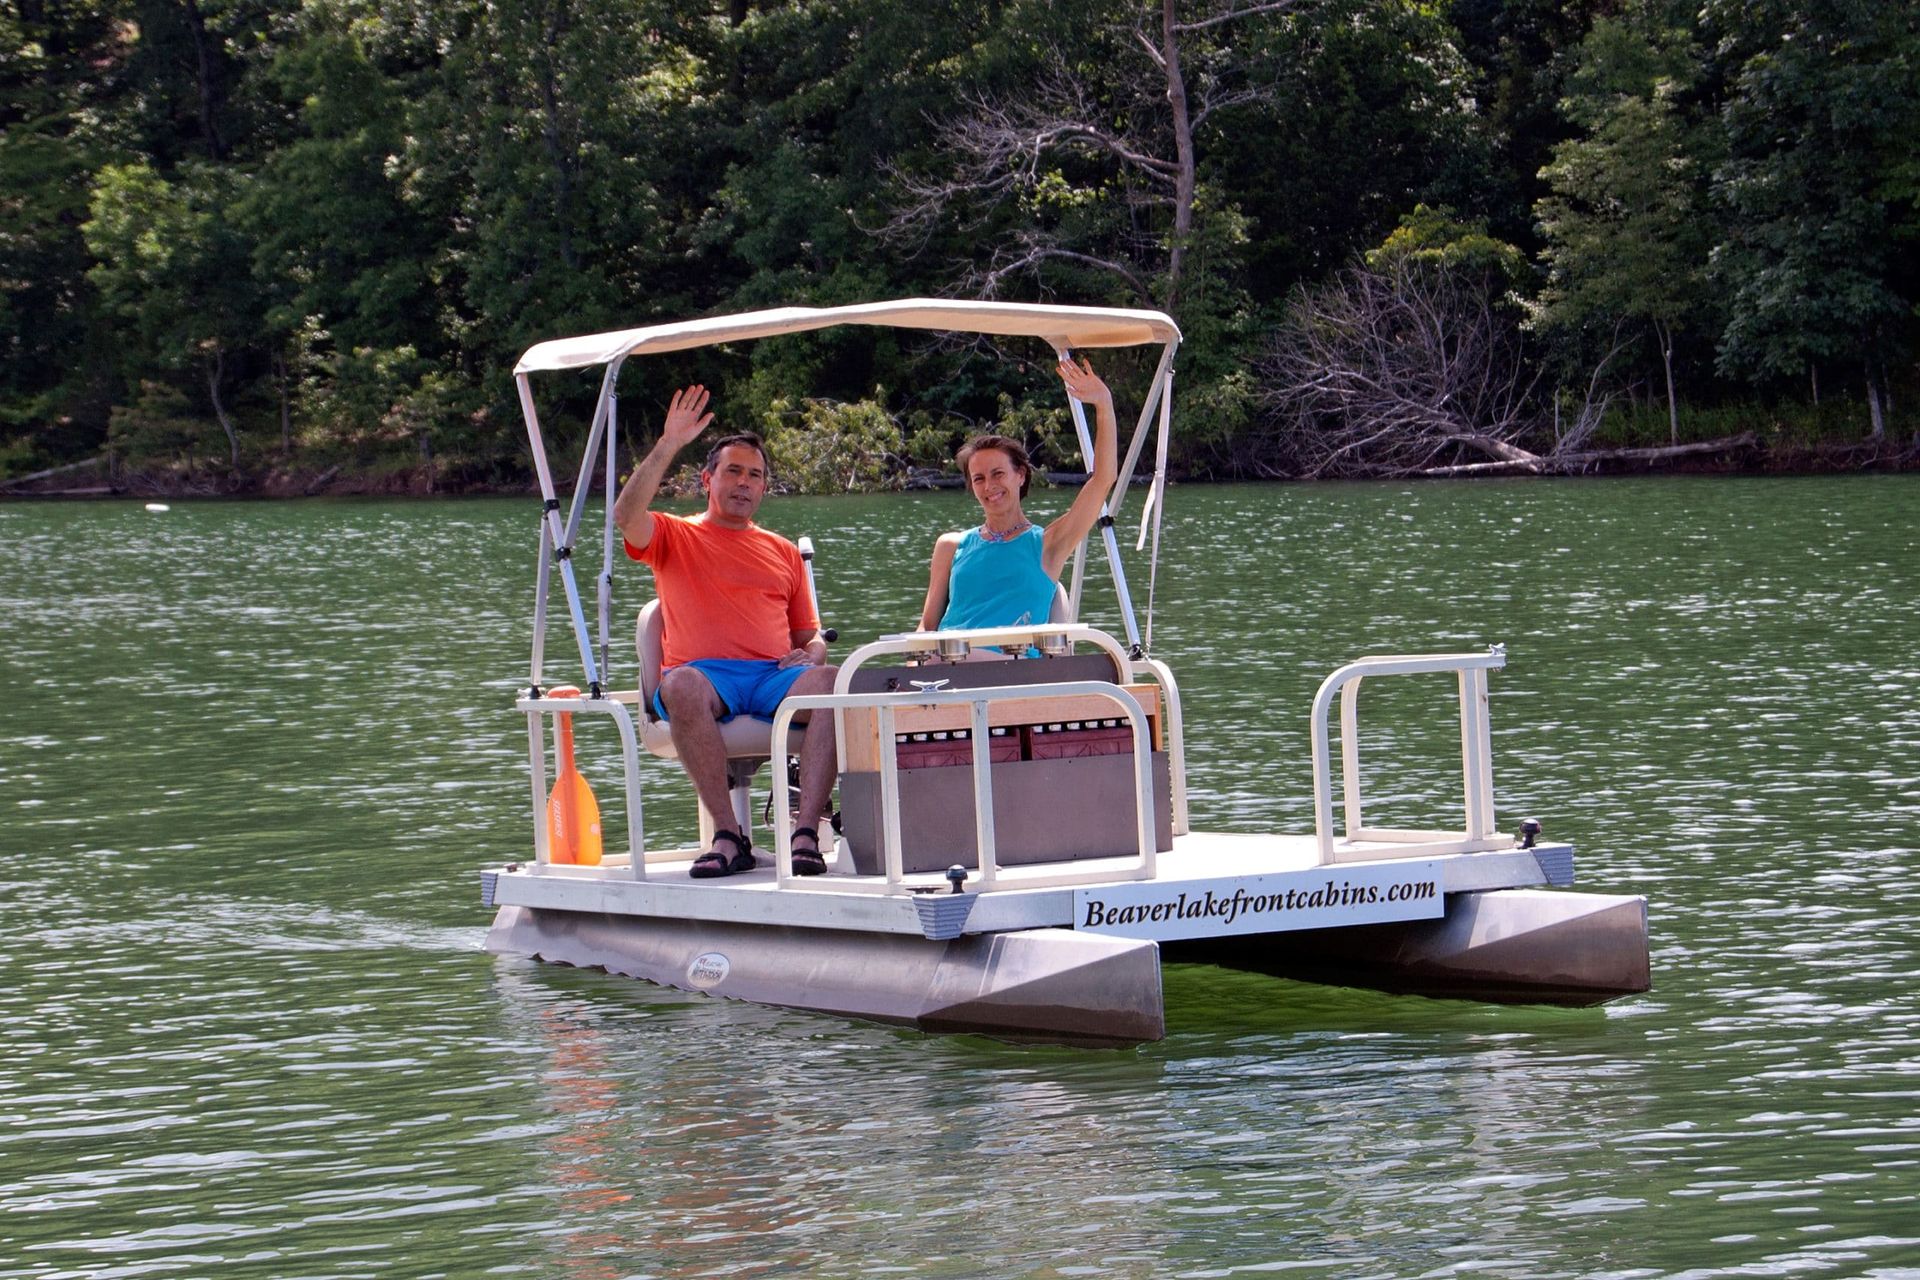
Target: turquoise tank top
point(998, 584)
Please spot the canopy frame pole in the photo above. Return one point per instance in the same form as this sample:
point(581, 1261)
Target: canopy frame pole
point(1157, 496)
point(1155, 389)
point(542, 584)
point(1159, 395)
point(606, 538)
point(550, 516)
point(1107, 540)
point(605, 409)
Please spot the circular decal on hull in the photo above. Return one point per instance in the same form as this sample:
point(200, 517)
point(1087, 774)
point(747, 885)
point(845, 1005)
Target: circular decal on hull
point(708, 970)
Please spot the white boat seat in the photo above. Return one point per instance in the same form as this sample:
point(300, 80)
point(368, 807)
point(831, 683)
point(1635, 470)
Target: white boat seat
point(748, 741)
point(745, 737)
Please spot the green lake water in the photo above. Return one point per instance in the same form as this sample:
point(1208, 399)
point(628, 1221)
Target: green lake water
point(252, 757)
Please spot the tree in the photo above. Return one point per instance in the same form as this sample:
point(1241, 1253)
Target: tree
point(55, 90)
point(1823, 109)
point(1627, 227)
point(1520, 53)
point(172, 266)
point(1200, 157)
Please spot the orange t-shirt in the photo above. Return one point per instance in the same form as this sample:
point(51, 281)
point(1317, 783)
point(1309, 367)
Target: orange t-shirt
point(725, 593)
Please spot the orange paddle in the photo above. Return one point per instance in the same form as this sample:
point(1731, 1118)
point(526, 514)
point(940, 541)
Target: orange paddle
point(573, 815)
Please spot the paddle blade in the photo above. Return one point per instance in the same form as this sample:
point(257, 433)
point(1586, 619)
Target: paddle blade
point(573, 821)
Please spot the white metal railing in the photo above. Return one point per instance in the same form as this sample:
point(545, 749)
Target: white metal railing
point(1476, 760)
point(884, 705)
point(1049, 638)
point(537, 709)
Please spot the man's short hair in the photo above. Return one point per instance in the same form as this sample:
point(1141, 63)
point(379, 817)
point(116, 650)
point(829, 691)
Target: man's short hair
point(741, 437)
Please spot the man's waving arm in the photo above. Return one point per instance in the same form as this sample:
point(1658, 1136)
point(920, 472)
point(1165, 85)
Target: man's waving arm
point(686, 419)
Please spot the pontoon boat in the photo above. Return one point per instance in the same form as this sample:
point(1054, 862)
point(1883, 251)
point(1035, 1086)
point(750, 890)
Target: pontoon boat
point(1015, 847)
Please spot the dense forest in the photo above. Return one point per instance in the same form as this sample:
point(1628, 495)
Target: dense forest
point(276, 247)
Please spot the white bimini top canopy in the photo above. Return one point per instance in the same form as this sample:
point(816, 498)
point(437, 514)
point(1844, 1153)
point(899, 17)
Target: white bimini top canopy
point(1061, 327)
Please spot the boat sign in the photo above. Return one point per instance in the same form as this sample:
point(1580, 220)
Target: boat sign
point(1325, 897)
point(708, 970)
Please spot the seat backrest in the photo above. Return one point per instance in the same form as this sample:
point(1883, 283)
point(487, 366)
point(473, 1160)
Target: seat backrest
point(646, 642)
point(1062, 610)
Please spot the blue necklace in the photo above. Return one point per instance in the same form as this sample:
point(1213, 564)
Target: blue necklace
point(990, 535)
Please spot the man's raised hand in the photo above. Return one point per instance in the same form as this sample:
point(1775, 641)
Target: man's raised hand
point(686, 418)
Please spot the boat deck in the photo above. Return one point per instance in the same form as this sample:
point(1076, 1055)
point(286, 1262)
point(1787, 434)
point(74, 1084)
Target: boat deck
point(1201, 873)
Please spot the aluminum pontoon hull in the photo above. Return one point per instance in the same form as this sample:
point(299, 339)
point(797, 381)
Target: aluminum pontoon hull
point(1051, 984)
point(1528, 945)
point(1518, 946)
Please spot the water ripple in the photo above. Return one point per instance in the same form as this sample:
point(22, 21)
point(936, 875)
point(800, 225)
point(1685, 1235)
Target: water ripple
point(255, 754)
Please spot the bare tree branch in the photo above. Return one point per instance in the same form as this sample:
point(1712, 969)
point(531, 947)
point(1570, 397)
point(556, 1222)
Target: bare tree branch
point(1139, 128)
point(1232, 15)
point(1032, 252)
point(1396, 371)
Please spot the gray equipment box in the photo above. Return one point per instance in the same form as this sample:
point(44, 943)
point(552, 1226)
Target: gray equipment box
point(1043, 811)
point(1057, 808)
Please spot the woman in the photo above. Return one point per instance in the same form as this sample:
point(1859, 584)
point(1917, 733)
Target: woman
point(1004, 573)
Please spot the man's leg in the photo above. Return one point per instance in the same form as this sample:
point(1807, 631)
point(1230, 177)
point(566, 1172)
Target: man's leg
point(817, 762)
point(693, 717)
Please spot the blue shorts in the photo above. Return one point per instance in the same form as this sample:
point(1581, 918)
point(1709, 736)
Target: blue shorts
point(747, 686)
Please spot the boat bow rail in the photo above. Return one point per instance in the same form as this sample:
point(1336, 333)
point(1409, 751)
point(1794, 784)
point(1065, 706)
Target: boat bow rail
point(1476, 760)
point(980, 740)
point(884, 706)
point(939, 650)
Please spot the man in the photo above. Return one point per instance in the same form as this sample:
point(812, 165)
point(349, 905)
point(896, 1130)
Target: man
point(740, 633)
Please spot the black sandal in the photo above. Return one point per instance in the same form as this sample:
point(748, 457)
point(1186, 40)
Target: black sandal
point(808, 862)
point(713, 864)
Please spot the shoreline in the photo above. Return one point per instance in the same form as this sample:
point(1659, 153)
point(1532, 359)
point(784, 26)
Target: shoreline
point(80, 481)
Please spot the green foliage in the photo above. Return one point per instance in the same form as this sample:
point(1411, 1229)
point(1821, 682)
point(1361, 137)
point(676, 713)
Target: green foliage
point(159, 428)
point(1820, 121)
point(821, 446)
point(334, 236)
point(1791, 424)
point(170, 263)
point(379, 402)
point(1436, 237)
point(1045, 429)
point(369, 208)
point(933, 440)
point(1627, 227)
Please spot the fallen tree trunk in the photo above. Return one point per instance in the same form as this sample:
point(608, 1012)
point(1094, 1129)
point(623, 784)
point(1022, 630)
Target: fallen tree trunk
point(54, 471)
point(1563, 462)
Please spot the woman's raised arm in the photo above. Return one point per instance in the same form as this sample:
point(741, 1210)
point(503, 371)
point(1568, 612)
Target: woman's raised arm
point(1073, 525)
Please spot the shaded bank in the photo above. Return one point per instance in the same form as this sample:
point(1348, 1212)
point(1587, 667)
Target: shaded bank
point(102, 478)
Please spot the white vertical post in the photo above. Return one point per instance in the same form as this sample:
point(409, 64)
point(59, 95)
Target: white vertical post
point(1157, 495)
point(1108, 541)
point(983, 795)
point(1350, 753)
point(543, 587)
point(1156, 388)
point(1476, 753)
point(889, 796)
point(537, 757)
point(1174, 735)
point(630, 757)
point(1489, 821)
point(1077, 588)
